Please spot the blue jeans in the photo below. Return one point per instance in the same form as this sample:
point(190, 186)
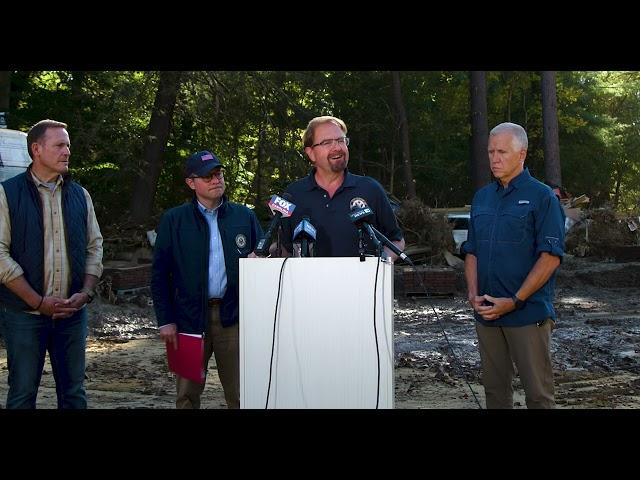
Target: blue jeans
point(28, 338)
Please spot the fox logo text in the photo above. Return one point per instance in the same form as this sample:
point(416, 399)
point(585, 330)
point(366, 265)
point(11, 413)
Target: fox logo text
point(278, 204)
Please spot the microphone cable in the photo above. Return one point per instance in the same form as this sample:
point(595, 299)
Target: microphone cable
point(457, 363)
point(273, 336)
point(375, 329)
point(275, 322)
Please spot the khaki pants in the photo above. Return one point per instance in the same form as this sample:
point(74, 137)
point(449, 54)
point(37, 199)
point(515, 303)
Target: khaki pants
point(528, 348)
point(225, 344)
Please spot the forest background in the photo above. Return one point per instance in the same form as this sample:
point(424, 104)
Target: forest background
point(422, 134)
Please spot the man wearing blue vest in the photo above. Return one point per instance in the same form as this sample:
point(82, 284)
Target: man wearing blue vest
point(50, 262)
point(514, 246)
point(196, 274)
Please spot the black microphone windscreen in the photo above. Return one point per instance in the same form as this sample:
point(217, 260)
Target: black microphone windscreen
point(359, 215)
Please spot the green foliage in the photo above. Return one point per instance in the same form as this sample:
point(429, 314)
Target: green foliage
point(107, 114)
point(253, 121)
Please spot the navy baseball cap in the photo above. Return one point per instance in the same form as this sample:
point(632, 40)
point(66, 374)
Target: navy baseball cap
point(201, 164)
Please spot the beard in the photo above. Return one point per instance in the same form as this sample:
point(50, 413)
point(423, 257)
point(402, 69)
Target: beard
point(339, 165)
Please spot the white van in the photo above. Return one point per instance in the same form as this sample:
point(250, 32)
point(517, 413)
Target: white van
point(460, 222)
point(459, 218)
point(14, 156)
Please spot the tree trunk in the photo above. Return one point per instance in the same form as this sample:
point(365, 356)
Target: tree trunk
point(509, 95)
point(144, 191)
point(401, 116)
point(5, 97)
point(392, 171)
point(552, 172)
point(261, 154)
point(616, 195)
point(360, 156)
point(480, 172)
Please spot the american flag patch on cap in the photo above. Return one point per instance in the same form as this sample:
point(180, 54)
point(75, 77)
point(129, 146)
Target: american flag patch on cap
point(208, 156)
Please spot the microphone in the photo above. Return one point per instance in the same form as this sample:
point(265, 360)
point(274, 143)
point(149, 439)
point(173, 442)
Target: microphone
point(392, 246)
point(304, 235)
point(280, 207)
point(361, 217)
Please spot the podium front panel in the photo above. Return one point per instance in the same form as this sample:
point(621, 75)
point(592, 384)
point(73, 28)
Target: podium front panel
point(323, 351)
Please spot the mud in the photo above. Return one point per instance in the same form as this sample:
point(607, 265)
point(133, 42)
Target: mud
point(595, 349)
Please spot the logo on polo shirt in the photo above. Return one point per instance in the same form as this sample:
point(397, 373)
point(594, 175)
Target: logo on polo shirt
point(357, 202)
point(241, 241)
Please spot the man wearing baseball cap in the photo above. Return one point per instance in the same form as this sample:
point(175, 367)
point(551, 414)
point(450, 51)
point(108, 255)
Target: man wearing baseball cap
point(195, 279)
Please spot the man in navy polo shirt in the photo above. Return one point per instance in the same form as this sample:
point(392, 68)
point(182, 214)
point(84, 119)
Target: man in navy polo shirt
point(514, 247)
point(195, 276)
point(330, 191)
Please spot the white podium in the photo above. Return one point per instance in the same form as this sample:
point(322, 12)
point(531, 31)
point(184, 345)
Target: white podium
point(323, 352)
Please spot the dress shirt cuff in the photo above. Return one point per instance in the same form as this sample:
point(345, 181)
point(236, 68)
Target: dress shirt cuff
point(466, 247)
point(553, 246)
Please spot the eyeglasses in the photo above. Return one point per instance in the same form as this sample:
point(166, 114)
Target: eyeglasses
point(207, 178)
point(330, 141)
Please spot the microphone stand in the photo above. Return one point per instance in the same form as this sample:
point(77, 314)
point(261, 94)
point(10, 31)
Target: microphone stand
point(360, 244)
point(376, 241)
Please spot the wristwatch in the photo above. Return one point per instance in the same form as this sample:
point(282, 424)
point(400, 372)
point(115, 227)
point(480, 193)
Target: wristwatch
point(90, 293)
point(518, 303)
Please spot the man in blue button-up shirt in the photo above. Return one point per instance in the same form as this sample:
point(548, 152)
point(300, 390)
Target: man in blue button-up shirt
point(515, 244)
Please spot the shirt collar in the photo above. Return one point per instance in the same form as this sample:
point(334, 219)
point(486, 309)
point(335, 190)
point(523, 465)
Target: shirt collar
point(59, 181)
point(310, 180)
point(211, 211)
point(518, 180)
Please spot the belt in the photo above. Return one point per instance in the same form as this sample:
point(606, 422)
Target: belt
point(214, 301)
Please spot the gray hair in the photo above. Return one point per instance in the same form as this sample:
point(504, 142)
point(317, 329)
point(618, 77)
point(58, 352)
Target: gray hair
point(516, 131)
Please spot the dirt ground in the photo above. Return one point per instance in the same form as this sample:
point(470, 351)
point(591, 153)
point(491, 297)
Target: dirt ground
point(595, 349)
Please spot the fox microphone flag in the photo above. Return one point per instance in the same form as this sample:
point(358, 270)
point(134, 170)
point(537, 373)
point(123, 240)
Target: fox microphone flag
point(280, 207)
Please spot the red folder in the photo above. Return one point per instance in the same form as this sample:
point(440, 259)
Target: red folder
point(188, 359)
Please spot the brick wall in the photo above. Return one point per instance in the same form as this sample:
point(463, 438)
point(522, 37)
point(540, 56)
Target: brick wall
point(125, 278)
point(437, 280)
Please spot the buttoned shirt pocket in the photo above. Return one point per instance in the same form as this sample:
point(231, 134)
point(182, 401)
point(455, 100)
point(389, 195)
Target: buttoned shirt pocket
point(483, 220)
point(512, 224)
